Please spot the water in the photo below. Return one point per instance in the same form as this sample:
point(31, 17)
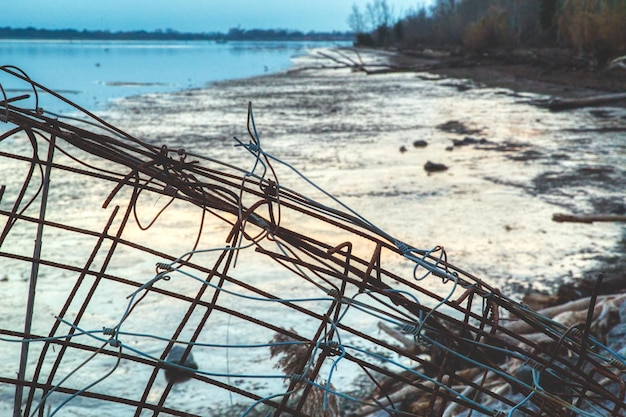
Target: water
point(91, 73)
point(491, 210)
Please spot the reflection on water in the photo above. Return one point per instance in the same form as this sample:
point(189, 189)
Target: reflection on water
point(93, 71)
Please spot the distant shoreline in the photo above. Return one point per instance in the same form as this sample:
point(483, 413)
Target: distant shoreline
point(234, 34)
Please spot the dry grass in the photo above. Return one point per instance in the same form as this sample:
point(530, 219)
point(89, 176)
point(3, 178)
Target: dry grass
point(595, 27)
point(490, 31)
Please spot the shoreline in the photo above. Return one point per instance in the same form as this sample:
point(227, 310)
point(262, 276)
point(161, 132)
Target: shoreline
point(526, 77)
point(312, 116)
point(555, 72)
point(344, 130)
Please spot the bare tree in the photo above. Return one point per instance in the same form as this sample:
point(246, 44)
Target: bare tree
point(356, 20)
point(379, 13)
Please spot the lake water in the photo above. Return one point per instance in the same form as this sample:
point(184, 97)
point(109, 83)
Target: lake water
point(491, 209)
point(90, 73)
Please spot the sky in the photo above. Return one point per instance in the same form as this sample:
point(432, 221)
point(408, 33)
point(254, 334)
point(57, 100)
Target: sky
point(188, 15)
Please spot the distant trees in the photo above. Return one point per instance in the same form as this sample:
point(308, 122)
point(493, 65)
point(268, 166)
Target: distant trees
point(596, 27)
point(373, 26)
point(234, 34)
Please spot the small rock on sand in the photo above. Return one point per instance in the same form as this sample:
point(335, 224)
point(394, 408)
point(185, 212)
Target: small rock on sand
point(434, 167)
point(174, 374)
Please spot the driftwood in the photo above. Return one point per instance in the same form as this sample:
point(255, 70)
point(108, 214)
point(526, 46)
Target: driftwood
point(521, 327)
point(575, 103)
point(559, 217)
point(414, 400)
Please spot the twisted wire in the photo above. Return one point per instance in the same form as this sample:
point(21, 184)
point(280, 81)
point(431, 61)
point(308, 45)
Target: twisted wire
point(347, 292)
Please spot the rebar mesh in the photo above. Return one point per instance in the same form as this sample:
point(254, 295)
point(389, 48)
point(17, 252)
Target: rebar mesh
point(139, 259)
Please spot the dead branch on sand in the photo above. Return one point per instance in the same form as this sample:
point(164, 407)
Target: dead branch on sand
point(590, 218)
point(342, 60)
point(557, 104)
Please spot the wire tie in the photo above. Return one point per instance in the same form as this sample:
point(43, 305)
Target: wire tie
point(334, 292)
point(170, 190)
point(109, 331)
point(297, 377)
point(112, 331)
point(334, 348)
point(403, 247)
point(115, 342)
point(617, 364)
point(534, 364)
point(253, 147)
point(411, 329)
point(164, 266)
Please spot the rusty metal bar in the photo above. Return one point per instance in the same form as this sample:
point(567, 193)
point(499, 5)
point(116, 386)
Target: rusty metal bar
point(30, 304)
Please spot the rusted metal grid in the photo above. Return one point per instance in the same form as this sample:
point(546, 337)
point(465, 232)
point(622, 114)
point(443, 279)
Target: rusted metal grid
point(465, 354)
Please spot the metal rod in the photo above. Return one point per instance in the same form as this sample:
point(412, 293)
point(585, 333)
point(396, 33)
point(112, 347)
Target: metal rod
point(34, 272)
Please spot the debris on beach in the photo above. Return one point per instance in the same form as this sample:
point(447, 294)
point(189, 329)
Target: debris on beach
point(558, 104)
point(271, 284)
point(604, 317)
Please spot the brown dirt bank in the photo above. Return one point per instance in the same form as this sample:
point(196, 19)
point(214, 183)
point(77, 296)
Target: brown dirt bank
point(555, 72)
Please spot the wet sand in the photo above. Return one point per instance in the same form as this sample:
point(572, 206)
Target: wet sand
point(555, 74)
point(491, 208)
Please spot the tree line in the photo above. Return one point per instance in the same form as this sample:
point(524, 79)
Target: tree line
point(595, 27)
point(234, 34)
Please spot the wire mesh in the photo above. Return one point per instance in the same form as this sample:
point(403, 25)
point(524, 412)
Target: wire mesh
point(139, 260)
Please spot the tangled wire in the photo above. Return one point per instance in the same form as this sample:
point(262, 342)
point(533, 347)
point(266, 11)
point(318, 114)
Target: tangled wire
point(267, 273)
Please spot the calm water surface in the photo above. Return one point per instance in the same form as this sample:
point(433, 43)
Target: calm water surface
point(91, 73)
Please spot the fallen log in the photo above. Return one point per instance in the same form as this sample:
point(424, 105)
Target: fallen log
point(575, 103)
point(560, 217)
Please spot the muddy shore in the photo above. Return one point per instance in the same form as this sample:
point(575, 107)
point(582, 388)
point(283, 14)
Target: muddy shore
point(347, 131)
point(554, 72)
point(557, 73)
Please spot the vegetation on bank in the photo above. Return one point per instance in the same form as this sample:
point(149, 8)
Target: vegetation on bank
point(593, 27)
point(234, 34)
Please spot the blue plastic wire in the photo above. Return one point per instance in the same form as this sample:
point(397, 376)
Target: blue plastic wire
point(484, 409)
point(536, 376)
point(249, 297)
point(262, 400)
point(77, 393)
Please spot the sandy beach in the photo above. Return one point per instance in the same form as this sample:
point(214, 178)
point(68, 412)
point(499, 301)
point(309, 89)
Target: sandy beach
point(491, 209)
